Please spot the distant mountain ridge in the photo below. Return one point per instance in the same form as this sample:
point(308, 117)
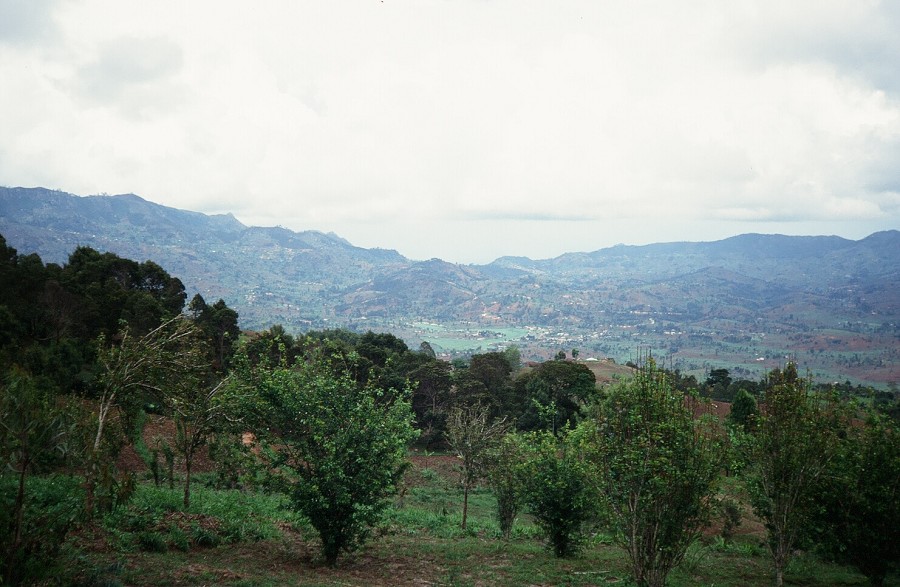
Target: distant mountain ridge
point(733, 287)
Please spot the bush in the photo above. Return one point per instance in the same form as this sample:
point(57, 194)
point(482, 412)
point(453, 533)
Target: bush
point(859, 502)
point(235, 464)
point(152, 541)
point(53, 506)
point(507, 479)
point(730, 510)
point(342, 446)
point(558, 492)
point(657, 466)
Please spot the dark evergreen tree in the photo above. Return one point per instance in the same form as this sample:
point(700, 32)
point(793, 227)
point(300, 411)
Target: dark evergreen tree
point(552, 395)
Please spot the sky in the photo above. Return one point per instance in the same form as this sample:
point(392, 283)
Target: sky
point(466, 129)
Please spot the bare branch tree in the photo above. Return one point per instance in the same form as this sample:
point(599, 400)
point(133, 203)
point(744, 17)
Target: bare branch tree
point(473, 435)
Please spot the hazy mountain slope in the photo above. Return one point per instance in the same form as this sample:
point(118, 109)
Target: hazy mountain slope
point(263, 272)
point(678, 294)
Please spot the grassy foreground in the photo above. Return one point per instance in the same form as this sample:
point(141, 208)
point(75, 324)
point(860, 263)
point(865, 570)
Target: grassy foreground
point(250, 539)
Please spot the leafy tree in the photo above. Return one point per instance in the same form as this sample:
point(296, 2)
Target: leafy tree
point(486, 381)
point(506, 475)
point(271, 347)
point(717, 383)
point(860, 513)
point(342, 445)
point(111, 289)
point(790, 451)
point(744, 411)
point(137, 368)
point(220, 325)
point(558, 490)
point(513, 357)
point(657, 466)
point(33, 430)
point(426, 349)
point(431, 397)
point(472, 434)
point(551, 395)
point(198, 405)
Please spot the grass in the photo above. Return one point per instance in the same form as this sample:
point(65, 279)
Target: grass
point(253, 541)
point(154, 520)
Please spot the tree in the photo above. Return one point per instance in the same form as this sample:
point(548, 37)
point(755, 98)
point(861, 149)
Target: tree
point(744, 411)
point(657, 466)
point(144, 365)
point(716, 385)
point(860, 504)
point(431, 397)
point(137, 368)
point(111, 289)
point(271, 347)
point(220, 325)
point(551, 396)
point(426, 349)
point(472, 434)
point(486, 381)
point(342, 445)
point(790, 451)
point(558, 490)
point(507, 478)
point(33, 429)
point(198, 405)
point(513, 357)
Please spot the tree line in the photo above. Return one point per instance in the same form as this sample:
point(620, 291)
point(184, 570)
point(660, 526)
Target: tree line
point(89, 348)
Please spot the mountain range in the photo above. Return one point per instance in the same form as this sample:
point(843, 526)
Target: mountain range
point(748, 301)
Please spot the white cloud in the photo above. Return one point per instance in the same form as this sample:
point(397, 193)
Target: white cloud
point(25, 21)
point(464, 129)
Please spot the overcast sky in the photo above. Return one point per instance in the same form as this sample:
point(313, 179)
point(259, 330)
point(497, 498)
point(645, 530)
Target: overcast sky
point(466, 129)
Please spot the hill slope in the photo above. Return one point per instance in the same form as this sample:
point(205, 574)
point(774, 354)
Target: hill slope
point(737, 299)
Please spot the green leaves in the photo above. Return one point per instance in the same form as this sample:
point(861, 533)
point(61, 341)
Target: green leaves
point(558, 490)
point(788, 453)
point(859, 515)
point(343, 443)
point(656, 466)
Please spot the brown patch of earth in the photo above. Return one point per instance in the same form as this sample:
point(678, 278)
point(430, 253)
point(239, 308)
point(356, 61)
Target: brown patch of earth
point(158, 430)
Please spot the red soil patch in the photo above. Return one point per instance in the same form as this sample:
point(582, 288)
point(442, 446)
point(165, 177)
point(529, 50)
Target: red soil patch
point(447, 466)
point(160, 429)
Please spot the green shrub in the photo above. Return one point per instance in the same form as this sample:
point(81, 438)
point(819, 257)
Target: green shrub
point(730, 510)
point(507, 479)
point(152, 541)
point(53, 506)
point(558, 492)
point(657, 467)
point(204, 537)
point(236, 466)
point(343, 446)
point(179, 539)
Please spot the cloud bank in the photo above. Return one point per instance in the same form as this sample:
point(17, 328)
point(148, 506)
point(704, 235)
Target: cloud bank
point(466, 130)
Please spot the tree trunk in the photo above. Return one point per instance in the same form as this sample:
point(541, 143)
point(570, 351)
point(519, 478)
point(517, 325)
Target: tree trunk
point(465, 505)
point(20, 507)
point(782, 554)
point(187, 481)
point(90, 485)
